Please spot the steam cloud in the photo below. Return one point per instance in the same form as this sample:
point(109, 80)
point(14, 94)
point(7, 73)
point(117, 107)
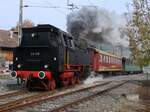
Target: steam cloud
point(97, 25)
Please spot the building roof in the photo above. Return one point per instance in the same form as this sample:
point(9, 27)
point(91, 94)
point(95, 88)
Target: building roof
point(7, 39)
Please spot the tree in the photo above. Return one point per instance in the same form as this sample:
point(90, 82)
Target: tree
point(26, 23)
point(138, 30)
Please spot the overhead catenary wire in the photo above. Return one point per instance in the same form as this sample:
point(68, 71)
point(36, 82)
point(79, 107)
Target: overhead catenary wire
point(70, 6)
point(41, 6)
point(49, 5)
point(58, 9)
point(52, 7)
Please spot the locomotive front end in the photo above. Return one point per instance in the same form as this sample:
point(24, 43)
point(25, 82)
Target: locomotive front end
point(34, 60)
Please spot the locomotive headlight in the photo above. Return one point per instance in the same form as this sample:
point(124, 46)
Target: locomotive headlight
point(16, 58)
point(41, 75)
point(45, 66)
point(19, 65)
point(33, 35)
point(14, 74)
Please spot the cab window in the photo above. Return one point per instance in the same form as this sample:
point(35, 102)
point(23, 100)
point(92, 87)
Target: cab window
point(68, 41)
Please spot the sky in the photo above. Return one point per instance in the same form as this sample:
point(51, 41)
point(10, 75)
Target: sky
point(9, 10)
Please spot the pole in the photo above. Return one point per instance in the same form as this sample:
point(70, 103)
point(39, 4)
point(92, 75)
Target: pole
point(20, 22)
point(121, 51)
point(67, 2)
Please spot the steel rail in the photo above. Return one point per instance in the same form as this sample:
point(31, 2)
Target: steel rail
point(41, 97)
point(11, 94)
point(62, 108)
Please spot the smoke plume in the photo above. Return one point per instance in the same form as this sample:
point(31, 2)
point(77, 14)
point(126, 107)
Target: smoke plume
point(97, 25)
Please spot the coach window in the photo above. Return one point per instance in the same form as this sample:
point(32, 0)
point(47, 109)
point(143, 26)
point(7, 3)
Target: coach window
point(110, 59)
point(103, 58)
point(113, 60)
point(106, 59)
point(120, 62)
point(100, 58)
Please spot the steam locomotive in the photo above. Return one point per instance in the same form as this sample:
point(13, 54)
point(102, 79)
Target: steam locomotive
point(48, 58)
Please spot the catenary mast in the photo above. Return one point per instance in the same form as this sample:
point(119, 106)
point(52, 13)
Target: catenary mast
point(20, 22)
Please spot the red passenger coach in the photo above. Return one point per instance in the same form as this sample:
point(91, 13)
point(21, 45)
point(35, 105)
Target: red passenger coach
point(104, 62)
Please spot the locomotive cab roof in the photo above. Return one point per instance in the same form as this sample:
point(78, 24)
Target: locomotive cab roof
point(46, 27)
point(45, 35)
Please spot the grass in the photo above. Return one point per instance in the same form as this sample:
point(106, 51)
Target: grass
point(5, 76)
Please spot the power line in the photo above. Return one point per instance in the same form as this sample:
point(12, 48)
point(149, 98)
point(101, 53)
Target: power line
point(57, 8)
point(38, 6)
point(49, 5)
point(71, 6)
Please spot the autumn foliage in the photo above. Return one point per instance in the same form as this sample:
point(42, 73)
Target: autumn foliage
point(138, 30)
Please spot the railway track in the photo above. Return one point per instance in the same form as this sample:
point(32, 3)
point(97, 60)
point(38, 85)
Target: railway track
point(43, 97)
point(61, 103)
point(15, 95)
point(11, 94)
